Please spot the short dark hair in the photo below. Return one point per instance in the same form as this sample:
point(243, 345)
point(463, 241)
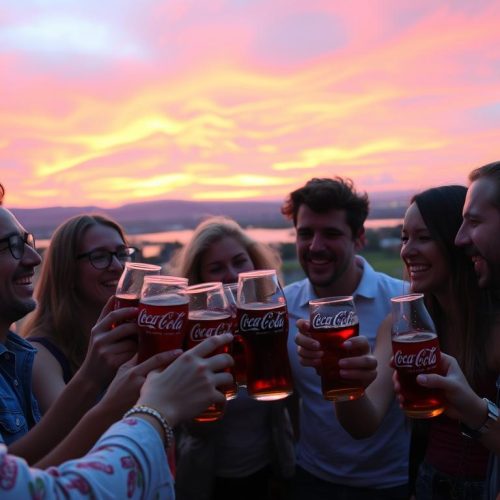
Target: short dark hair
point(489, 171)
point(2, 192)
point(322, 195)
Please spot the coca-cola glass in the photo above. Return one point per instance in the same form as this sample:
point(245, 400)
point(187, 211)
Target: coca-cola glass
point(416, 350)
point(263, 326)
point(240, 365)
point(209, 315)
point(128, 291)
point(333, 321)
point(163, 315)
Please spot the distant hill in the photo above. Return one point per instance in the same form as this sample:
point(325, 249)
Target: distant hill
point(156, 216)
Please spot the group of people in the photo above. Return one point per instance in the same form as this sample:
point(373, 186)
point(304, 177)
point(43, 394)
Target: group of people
point(77, 407)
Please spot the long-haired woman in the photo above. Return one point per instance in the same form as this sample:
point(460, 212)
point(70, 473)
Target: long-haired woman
point(79, 274)
point(242, 455)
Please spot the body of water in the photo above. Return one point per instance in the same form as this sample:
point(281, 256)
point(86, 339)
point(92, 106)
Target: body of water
point(265, 235)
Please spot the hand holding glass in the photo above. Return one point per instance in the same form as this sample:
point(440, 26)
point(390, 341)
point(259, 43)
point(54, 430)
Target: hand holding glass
point(416, 351)
point(333, 321)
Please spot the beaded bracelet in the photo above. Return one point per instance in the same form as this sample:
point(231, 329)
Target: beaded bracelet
point(147, 410)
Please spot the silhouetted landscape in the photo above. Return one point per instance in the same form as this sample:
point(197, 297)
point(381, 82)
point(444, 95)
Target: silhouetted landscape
point(158, 216)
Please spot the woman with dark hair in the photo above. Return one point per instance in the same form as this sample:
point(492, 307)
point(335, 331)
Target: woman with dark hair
point(453, 463)
point(79, 274)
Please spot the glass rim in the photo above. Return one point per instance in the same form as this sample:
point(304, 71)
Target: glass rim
point(331, 300)
point(257, 273)
point(165, 280)
point(407, 297)
point(142, 266)
point(230, 286)
point(204, 287)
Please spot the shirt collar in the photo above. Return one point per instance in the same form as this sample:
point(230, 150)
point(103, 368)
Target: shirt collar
point(367, 286)
point(16, 343)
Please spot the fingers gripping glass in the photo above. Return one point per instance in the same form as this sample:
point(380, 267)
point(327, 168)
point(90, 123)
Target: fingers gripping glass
point(101, 259)
point(16, 244)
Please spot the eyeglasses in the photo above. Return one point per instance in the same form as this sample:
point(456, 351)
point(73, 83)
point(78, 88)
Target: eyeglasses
point(101, 259)
point(16, 244)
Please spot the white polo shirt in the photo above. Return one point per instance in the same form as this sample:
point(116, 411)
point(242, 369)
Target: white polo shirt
point(325, 449)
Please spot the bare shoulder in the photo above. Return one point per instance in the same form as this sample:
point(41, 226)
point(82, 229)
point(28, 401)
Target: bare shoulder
point(45, 361)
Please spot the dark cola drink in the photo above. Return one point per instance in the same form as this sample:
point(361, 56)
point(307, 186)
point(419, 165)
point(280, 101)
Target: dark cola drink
point(416, 353)
point(331, 331)
point(126, 300)
point(240, 362)
point(264, 331)
point(203, 325)
point(162, 320)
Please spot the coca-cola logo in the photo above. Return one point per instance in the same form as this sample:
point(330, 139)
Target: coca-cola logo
point(425, 358)
point(199, 332)
point(339, 320)
point(272, 320)
point(172, 321)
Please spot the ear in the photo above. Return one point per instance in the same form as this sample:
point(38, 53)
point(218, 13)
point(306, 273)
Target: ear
point(360, 240)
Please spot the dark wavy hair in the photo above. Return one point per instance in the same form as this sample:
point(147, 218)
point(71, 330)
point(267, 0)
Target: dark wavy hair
point(441, 209)
point(2, 193)
point(489, 171)
point(322, 195)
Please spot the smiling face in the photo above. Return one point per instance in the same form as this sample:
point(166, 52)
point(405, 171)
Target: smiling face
point(16, 282)
point(224, 260)
point(479, 232)
point(425, 262)
point(326, 250)
point(95, 286)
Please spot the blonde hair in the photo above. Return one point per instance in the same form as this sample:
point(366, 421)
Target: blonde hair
point(187, 261)
point(59, 305)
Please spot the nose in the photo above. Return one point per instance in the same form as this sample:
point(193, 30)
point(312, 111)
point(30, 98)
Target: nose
point(317, 243)
point(116, 264)
point(30, 257)
point(407, 250)
point(462, 238)
point(230, 275)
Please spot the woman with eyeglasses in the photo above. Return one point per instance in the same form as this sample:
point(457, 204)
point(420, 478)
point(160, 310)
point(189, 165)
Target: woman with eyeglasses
point(80, 271)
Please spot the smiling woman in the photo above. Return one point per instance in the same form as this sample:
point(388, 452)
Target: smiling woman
point(79, 274)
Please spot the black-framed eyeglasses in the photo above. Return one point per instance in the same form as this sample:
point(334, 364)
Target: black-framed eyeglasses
point(16, 243)
point(101, 259)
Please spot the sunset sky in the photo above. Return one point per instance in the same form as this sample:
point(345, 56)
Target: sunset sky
point(115, 101)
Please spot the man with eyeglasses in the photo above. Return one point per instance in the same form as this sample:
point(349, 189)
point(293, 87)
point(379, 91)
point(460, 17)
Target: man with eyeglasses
point(18, 260)
point(68, 429)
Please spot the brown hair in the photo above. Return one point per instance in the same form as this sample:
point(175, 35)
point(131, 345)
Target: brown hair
point(187, 261)
point(322, 195)
point(489, 171)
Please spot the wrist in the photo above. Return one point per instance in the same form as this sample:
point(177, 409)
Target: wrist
point(153, 413)
point(168, 412)
point(490, 416)
point(476, 414)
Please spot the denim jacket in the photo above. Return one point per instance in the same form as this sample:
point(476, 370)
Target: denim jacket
point(19, 410)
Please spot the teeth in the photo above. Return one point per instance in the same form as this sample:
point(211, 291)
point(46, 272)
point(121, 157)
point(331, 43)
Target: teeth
point(26, 280)
point(416, 269)
point(111, 283)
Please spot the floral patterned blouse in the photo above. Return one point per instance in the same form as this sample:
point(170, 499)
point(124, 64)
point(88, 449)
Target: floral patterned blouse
point(128, 461)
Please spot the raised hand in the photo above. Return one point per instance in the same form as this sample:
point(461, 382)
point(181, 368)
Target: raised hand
point(308, 349)
point(113, 341)
point(360, 365)
point(189, 385)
